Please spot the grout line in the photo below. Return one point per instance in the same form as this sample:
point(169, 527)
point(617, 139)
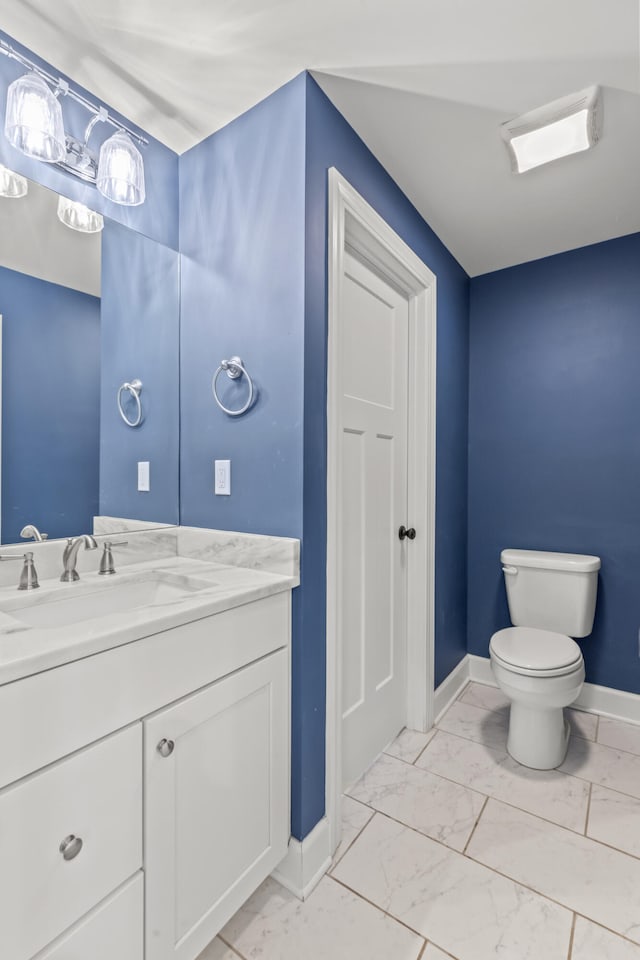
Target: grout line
point(571, 936)
point(473, 829)
point(378, 907)
point(597, 733)
point(230, 946)
point(423, 949)
point(436, 731)
point(615, 933)
point(335, 862)
point(498, 873)
point(586, 819)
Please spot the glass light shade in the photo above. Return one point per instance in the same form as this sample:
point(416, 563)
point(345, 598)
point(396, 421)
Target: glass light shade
point(121, 171)
point(12, 185)
point(33, 122)
point(75, 215)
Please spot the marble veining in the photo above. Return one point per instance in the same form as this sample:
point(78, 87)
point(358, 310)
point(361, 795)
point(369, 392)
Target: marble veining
point(591, 942)
point(619, 735)
point(428, 803)
point(466, 909)
point(121, 525)
point(355, 816)
point(24, 652)
point(614, 818)
point(409, 744)
point(217, 950)
point(279, 555)
point(494, 773)
point(332, 924)
point(587, 877)
point(611, 768)
point(511, 892)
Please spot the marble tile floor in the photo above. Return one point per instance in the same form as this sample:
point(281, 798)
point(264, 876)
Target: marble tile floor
point(452, 850)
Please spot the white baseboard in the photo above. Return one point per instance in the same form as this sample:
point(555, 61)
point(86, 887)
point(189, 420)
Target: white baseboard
point(451, 687)
point(608, 702)
point(306, 861)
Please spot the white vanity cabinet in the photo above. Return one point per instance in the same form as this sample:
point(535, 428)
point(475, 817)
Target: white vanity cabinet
point(216, 804)
point(153, 793)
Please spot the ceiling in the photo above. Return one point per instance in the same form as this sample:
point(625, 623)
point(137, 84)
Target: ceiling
point(426, 84)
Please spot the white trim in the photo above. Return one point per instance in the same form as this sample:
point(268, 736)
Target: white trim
point(480, 670)
point(306, 862)
point(451, 687)
point(606, 701)
point(355, 226)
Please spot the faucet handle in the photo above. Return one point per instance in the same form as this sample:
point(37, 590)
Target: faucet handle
point(29, 575)
point(106, 561)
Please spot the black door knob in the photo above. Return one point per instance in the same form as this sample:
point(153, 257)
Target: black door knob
point(407, 534)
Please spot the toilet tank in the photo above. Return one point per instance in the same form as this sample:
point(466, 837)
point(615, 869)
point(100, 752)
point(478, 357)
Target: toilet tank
point(551, 591)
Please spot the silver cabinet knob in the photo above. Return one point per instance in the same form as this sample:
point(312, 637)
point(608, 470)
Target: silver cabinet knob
point(165, 748)
point(70, 847)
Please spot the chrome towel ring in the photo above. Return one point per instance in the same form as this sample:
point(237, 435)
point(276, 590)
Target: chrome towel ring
point(233, 369)
point(134, 389)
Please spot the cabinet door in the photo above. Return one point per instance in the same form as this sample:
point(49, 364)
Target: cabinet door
point(216, 804)
point(112, 931)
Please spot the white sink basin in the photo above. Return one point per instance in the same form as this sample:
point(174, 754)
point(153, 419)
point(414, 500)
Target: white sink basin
point(64, 607)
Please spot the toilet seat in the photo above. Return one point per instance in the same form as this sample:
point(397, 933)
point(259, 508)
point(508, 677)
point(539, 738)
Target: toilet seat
point(532, 652)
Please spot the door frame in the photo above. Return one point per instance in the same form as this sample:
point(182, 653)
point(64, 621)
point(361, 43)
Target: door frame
point(354, 226)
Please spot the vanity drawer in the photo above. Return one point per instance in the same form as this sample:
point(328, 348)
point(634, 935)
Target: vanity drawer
point(94, 796)
point(113, 931)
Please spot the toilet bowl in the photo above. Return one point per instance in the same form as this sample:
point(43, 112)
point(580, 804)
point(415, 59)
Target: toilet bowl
point(536, 663)
point(541, 673)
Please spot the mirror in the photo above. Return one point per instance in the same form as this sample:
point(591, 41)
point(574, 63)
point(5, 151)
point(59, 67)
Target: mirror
point(83, 314)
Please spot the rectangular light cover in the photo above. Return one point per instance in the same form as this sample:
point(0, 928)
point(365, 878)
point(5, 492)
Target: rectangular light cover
point(559, 129)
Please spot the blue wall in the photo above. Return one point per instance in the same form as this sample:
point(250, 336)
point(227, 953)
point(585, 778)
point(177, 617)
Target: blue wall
point(157, 217)
point(140, 340)
point(242, 279)
point(253, 280)
point(50, 406)
point(555, 437)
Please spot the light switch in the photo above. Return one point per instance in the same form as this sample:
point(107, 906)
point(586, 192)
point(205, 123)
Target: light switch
point(222, 484)
point(144, 484)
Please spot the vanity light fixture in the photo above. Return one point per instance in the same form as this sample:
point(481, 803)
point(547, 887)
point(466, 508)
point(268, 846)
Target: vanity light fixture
point(12, 185)
point(79, 217)
point(34, 124)
point(565, 126)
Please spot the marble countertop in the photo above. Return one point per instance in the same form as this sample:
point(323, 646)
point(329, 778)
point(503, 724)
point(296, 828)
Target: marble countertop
point(26, 650)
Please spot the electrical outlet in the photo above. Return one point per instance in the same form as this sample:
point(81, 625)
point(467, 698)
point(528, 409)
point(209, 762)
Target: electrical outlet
point(222, 478)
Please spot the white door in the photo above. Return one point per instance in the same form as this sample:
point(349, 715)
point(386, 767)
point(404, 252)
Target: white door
point(372, 503)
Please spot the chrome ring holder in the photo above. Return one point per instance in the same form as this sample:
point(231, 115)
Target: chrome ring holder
point(134, 389)
point(234, 369)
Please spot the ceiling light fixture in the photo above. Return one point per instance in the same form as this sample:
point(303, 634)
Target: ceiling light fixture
point(78, 217)
point(12, 185)
point(565, 126)
point(34, 125)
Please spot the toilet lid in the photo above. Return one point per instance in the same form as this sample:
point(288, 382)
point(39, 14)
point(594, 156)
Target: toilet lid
point(532, 649)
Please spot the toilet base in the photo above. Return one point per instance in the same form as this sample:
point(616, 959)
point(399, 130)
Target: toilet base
point(538, 738)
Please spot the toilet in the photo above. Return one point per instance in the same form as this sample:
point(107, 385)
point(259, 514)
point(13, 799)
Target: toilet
point(536, 663)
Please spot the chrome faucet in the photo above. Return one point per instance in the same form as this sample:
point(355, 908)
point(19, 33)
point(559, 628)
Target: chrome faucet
point(70, 556)
point(28, 575)
point(30, 532)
